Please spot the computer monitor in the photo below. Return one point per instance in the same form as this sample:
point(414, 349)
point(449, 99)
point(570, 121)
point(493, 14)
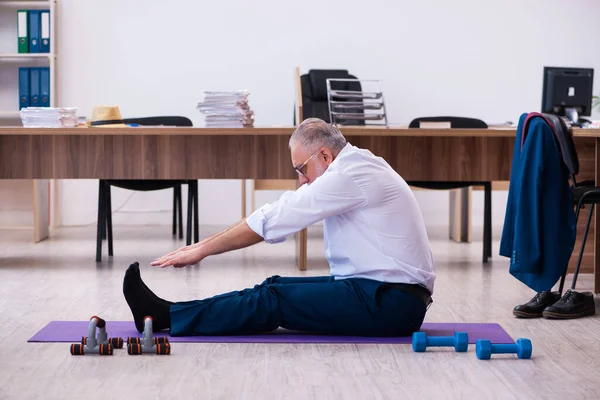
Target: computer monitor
point(568, 92)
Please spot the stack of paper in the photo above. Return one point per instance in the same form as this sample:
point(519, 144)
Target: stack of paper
point(49, 117)
point(40, 117)
point(222, 109)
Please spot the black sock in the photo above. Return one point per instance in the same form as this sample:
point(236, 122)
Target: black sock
point(142, 303)
point(137, 270)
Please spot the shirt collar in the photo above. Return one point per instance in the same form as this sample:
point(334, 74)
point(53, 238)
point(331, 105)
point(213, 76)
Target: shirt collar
point(347, 148)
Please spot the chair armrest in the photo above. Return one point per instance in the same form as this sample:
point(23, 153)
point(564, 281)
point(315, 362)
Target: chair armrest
point(588, 183)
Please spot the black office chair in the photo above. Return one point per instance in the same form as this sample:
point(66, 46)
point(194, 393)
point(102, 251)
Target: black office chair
point(584, 193)
point(314, 93)
point(463, 123)
point(104, 223)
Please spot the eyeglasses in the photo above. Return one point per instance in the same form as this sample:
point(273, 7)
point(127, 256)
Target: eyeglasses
point(299, 169)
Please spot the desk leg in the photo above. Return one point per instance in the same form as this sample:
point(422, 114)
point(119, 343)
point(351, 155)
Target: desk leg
point(460, 215)
point(55, 203)
point(41, 217)
point(243, 198)
point(597, 224)
point(301, 244)
point(301, 248)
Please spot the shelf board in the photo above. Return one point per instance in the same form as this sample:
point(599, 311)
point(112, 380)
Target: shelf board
point(26, 2)
point(10, 115)
point(27, 55)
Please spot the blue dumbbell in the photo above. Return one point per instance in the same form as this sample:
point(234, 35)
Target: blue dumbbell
point(484, 349)
point(420, 341)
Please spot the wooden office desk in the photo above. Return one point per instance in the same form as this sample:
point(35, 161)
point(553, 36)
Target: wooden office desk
point(262, 153)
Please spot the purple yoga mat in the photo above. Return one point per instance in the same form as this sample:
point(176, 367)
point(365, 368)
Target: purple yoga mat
point(72, 331)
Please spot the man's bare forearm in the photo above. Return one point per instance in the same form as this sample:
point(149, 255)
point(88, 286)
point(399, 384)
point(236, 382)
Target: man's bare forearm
point(216, 235)
point(236, 237)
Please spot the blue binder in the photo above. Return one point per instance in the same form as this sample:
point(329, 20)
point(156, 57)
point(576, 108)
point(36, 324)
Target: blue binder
point(45, 87)
point(45, 31)
point(34, 87)
point(23, 87)
point(34, 31)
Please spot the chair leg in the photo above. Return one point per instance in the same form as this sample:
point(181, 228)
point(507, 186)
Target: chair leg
point(188, 238)
point(487, 222)
point(564, 275)
point(196, 224)
point(174, 224)
point(109, 229)
point(103, 207)
point(100, 221)
point(585, 233)
point(180, 214)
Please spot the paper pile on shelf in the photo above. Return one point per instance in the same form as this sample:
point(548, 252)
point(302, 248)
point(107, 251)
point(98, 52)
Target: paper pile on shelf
point(49, 117)
point(224, 109)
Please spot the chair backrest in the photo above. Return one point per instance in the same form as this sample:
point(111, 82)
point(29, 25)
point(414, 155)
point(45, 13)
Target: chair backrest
point(161, 120)
point(455, 122)
point(314, 92)
point(564, 137)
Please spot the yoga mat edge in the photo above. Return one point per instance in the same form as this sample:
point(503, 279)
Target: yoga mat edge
point(72, 332)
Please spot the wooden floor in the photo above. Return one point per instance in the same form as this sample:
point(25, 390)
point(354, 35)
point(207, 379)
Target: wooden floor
point(58, 279)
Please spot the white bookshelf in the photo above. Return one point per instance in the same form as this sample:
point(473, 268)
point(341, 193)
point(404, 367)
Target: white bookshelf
point(9, 55)
point(10, 61)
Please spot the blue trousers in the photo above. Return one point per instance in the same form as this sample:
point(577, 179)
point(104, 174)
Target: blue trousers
point(357, 307)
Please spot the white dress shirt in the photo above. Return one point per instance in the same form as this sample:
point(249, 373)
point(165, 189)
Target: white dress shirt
point(373, 227)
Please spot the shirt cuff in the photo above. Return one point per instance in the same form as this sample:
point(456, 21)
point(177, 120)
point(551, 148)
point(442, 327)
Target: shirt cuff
point(257, 220)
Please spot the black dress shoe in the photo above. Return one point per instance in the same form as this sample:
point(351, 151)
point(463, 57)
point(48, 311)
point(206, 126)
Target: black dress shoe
point(572, 305)
point(535, 307)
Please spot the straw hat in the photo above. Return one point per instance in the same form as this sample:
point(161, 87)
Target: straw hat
point(107, 117)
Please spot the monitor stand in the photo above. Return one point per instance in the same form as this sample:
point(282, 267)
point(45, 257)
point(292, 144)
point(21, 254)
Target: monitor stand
point(573, 117)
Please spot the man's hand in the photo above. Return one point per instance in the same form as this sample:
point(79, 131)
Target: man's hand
point(180, 259)
point(179, 252)
point(170, 255)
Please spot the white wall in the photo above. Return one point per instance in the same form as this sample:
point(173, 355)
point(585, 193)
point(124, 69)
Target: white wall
point(434, 57)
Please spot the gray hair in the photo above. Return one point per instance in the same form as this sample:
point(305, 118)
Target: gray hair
point(314, 133)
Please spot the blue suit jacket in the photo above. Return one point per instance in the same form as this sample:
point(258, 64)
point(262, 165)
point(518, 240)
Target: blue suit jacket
point(539, 226)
